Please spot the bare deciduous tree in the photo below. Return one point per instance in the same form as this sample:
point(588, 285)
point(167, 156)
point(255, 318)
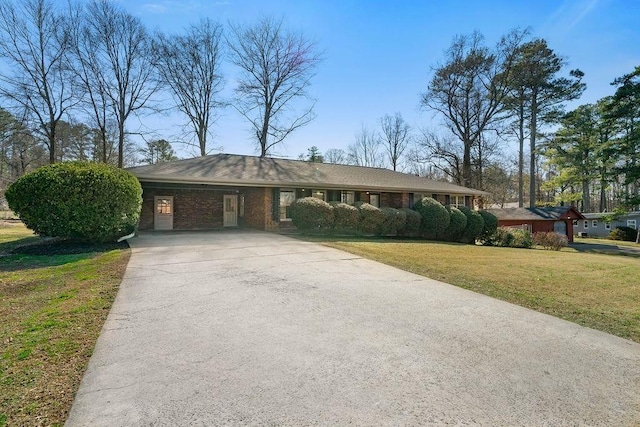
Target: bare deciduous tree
point(335, 155)
point(395, 137)
point(121, 53)
point(469, 88)
point(34, 41)
point(364, 151)
point(189, 65)
point(276, 70)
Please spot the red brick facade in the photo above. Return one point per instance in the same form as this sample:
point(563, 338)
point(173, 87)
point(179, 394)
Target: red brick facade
point(193, 209)
point(201, 207)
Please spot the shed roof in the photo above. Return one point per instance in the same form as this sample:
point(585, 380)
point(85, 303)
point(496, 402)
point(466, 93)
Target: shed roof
point(537, 214)
point(238, 170)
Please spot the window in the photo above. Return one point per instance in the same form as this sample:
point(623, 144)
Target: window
point(287, 197)
point(575, 222)
point(456, 201)
point(607, 226)
point(631, 223)
point(586, 224)
point(374, 199)
point(594, 223)
point(348, 197)
point(318, 194)
point(163, 206)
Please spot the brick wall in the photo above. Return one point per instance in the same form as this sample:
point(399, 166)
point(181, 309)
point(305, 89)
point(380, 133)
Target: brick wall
point(192, 209)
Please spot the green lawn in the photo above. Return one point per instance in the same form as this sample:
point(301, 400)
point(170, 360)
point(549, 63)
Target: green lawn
point(52, 308)
point(607, 242)
point(595, 290)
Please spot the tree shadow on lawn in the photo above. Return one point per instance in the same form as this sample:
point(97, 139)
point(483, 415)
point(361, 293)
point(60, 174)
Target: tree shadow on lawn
point(49, 252)
point(606, 249)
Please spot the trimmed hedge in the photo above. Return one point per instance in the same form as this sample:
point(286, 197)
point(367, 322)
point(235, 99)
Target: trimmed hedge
point(490, 224)
point(412, 222)
point(346, 217)
point(371, 219)
point(474, 225)
point(394, 220)
point(435, 217)
point(83, 201)
point(311, 214)
point(457, 223)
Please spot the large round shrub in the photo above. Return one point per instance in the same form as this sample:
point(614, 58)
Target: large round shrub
point(371, 219)
point(394, 220)
point(346, 217)
point(412, 221)
point(435, 217)
point(78, 200)
point(474, 226)
point(311, 214)
point(623, 233)
point(490, 225)
point(457, 224)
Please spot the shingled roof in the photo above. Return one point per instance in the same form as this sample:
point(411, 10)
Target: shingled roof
point(527, 214)
point(237, 170)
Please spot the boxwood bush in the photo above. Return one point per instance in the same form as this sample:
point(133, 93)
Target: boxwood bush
point(435, 217)
point(411, 227)
point(490, 224)
point(457, 224)
point(474, 225)
point(345, 218)
point(311, 214)
point(371, 219)
point(83, 201)
point(394, 220)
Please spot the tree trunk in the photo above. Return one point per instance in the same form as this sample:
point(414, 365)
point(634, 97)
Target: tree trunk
point(120, 145)
point(532, 148)
point(466, 166)
point(586, 196)
point(521, 156)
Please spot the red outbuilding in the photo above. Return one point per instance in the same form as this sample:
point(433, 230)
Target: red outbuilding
point(559, 219)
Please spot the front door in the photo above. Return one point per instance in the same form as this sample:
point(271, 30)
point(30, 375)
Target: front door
point(230, 218)
point(163, 213)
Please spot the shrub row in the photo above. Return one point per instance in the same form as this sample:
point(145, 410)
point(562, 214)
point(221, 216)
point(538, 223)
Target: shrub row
point(510, 238)
point(428, 219)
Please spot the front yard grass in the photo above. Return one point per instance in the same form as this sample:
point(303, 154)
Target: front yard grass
point(52, 308)
point(595, 290)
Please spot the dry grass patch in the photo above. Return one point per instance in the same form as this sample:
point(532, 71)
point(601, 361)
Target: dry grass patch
point(594, 290)
point(51, 312)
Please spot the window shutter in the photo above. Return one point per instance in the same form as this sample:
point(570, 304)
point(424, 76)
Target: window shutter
point(275, 205)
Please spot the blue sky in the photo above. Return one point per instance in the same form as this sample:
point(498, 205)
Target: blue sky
point(379, 54)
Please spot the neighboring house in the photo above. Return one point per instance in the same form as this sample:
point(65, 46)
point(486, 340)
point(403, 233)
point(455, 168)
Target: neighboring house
point(559, 219)
point(226, 190)
point(594, 225)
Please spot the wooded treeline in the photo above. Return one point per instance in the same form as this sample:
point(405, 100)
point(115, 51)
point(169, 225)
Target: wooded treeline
point(489, 99)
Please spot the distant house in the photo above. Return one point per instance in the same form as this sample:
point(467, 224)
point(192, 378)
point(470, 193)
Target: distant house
point(226, 190)
point(558, 219)
point(594, 224)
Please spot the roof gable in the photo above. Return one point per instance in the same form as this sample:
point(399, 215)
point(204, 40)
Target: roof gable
point(229, 169)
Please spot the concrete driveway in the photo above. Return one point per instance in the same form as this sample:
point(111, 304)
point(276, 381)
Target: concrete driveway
point(251, 328)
